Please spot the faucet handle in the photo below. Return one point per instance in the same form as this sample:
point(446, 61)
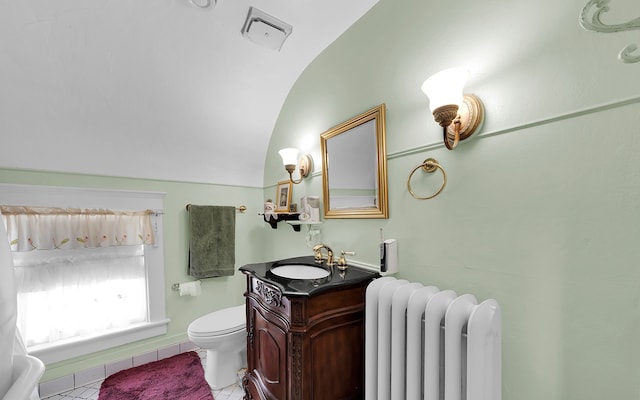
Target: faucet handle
point(317, 256)
point(342, 262)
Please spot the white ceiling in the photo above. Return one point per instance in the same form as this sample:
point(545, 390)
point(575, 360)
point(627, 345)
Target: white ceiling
point(154, 89)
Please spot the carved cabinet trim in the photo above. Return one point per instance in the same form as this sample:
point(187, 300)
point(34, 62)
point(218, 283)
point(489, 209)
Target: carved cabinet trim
point(296, 365)
point(271, 295)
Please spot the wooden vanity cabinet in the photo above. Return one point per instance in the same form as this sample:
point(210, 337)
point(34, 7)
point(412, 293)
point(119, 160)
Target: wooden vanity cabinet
point(304, 347)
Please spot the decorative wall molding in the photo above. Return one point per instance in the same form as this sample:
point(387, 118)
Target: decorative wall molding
point(515, 128)
point(519, 127)
point(591, 21)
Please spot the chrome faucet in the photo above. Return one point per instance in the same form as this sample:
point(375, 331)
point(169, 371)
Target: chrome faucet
point(318, 257)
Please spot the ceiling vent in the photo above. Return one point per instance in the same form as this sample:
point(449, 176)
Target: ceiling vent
point(265, 30)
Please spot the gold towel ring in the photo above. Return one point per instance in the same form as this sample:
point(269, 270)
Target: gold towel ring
point(428, 165)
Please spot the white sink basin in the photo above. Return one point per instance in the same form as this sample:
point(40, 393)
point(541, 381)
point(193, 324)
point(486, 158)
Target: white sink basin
point(300, 272)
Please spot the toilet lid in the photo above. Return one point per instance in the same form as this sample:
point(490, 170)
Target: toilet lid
point(219, 322)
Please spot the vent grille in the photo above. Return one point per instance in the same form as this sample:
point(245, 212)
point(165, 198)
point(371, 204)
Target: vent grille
point(265, 30)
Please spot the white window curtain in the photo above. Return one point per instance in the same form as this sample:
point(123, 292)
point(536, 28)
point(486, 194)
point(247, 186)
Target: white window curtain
point(87, 275)
point(69, 294)
point(40, 228)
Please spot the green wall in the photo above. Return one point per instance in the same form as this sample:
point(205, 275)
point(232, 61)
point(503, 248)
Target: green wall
point(217, 293)
point(540, 210)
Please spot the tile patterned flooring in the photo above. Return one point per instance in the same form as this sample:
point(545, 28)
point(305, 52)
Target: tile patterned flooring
point(90, 392)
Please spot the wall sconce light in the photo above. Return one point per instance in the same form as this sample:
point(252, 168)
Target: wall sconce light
point(460, 115)
point(290, 160)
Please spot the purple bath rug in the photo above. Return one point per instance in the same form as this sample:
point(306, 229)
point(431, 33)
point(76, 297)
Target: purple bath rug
point(180, 377)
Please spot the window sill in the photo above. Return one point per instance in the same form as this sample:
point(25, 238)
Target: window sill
point(76, 347)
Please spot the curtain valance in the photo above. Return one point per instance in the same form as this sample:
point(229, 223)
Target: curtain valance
point(44, 228)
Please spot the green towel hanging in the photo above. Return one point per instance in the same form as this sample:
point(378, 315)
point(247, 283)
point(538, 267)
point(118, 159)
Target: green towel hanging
point(212, 231)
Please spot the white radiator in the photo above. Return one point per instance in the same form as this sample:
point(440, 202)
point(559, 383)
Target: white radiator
point(422, 343)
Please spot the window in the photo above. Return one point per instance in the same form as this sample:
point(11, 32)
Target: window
point(83, 300)
point(66, 295)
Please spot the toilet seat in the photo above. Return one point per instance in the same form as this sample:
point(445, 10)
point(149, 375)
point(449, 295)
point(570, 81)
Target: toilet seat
point(221, 322)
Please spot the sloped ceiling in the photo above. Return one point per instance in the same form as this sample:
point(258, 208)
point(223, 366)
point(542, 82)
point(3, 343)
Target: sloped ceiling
point(157, 89)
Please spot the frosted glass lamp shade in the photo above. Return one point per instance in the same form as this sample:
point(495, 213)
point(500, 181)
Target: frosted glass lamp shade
point(459, 114)
point(290, 160)
point(289, 156)
point(445, 87)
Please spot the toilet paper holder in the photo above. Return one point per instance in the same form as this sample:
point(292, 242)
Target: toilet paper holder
point(187, 289)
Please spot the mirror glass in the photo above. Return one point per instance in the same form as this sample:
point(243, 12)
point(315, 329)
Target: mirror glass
point(354, 173)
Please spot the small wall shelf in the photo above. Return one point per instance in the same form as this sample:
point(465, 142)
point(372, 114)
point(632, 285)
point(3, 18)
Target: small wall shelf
point(289, 218)
point(297, 224)
point(281, 217)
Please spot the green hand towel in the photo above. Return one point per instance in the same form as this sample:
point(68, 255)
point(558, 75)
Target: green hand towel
point(212, 240)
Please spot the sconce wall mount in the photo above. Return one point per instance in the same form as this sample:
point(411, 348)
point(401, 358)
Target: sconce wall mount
point(469, 118)
point(460, 115)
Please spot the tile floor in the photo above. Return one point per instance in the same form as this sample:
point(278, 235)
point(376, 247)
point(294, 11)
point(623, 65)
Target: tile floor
point(90, 392)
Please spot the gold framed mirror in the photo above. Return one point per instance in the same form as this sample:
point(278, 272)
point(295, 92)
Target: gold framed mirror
point(354, 172)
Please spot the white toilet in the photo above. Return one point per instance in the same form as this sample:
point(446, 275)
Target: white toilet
point(223, 334)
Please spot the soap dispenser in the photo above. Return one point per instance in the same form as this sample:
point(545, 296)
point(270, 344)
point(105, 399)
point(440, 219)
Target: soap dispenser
point(388, 257)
